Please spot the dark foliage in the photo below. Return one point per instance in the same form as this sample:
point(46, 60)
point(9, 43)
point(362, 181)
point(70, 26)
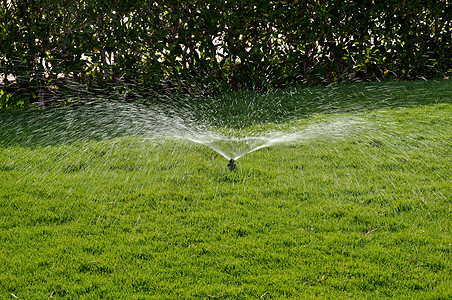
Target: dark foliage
point(210, 46)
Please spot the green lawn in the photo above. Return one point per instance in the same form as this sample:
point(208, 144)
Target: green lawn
point(366, 215)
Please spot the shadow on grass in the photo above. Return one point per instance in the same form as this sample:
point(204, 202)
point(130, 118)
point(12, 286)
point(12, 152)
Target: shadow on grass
point(100, 120)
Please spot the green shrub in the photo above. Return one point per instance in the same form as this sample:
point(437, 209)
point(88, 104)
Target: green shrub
point(207, 46)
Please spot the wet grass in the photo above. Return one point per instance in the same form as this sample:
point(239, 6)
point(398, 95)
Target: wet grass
point(365, 216)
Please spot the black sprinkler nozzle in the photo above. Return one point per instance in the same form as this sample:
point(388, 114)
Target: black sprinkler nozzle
point(231, 164)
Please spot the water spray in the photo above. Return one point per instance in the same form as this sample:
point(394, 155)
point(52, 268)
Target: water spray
point(231, 164)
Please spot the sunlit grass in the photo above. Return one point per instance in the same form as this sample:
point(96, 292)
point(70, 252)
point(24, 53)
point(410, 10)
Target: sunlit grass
point(364, 216)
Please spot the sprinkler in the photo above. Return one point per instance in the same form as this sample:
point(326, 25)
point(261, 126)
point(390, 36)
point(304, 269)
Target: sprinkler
point(231, 164)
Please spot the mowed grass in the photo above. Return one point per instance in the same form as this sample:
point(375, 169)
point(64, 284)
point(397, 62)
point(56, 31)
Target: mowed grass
point(364, 216)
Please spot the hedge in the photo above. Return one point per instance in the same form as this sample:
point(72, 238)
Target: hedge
point(211, 46)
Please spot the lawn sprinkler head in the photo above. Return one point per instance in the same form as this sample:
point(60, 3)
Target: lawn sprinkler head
point(231, 164)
